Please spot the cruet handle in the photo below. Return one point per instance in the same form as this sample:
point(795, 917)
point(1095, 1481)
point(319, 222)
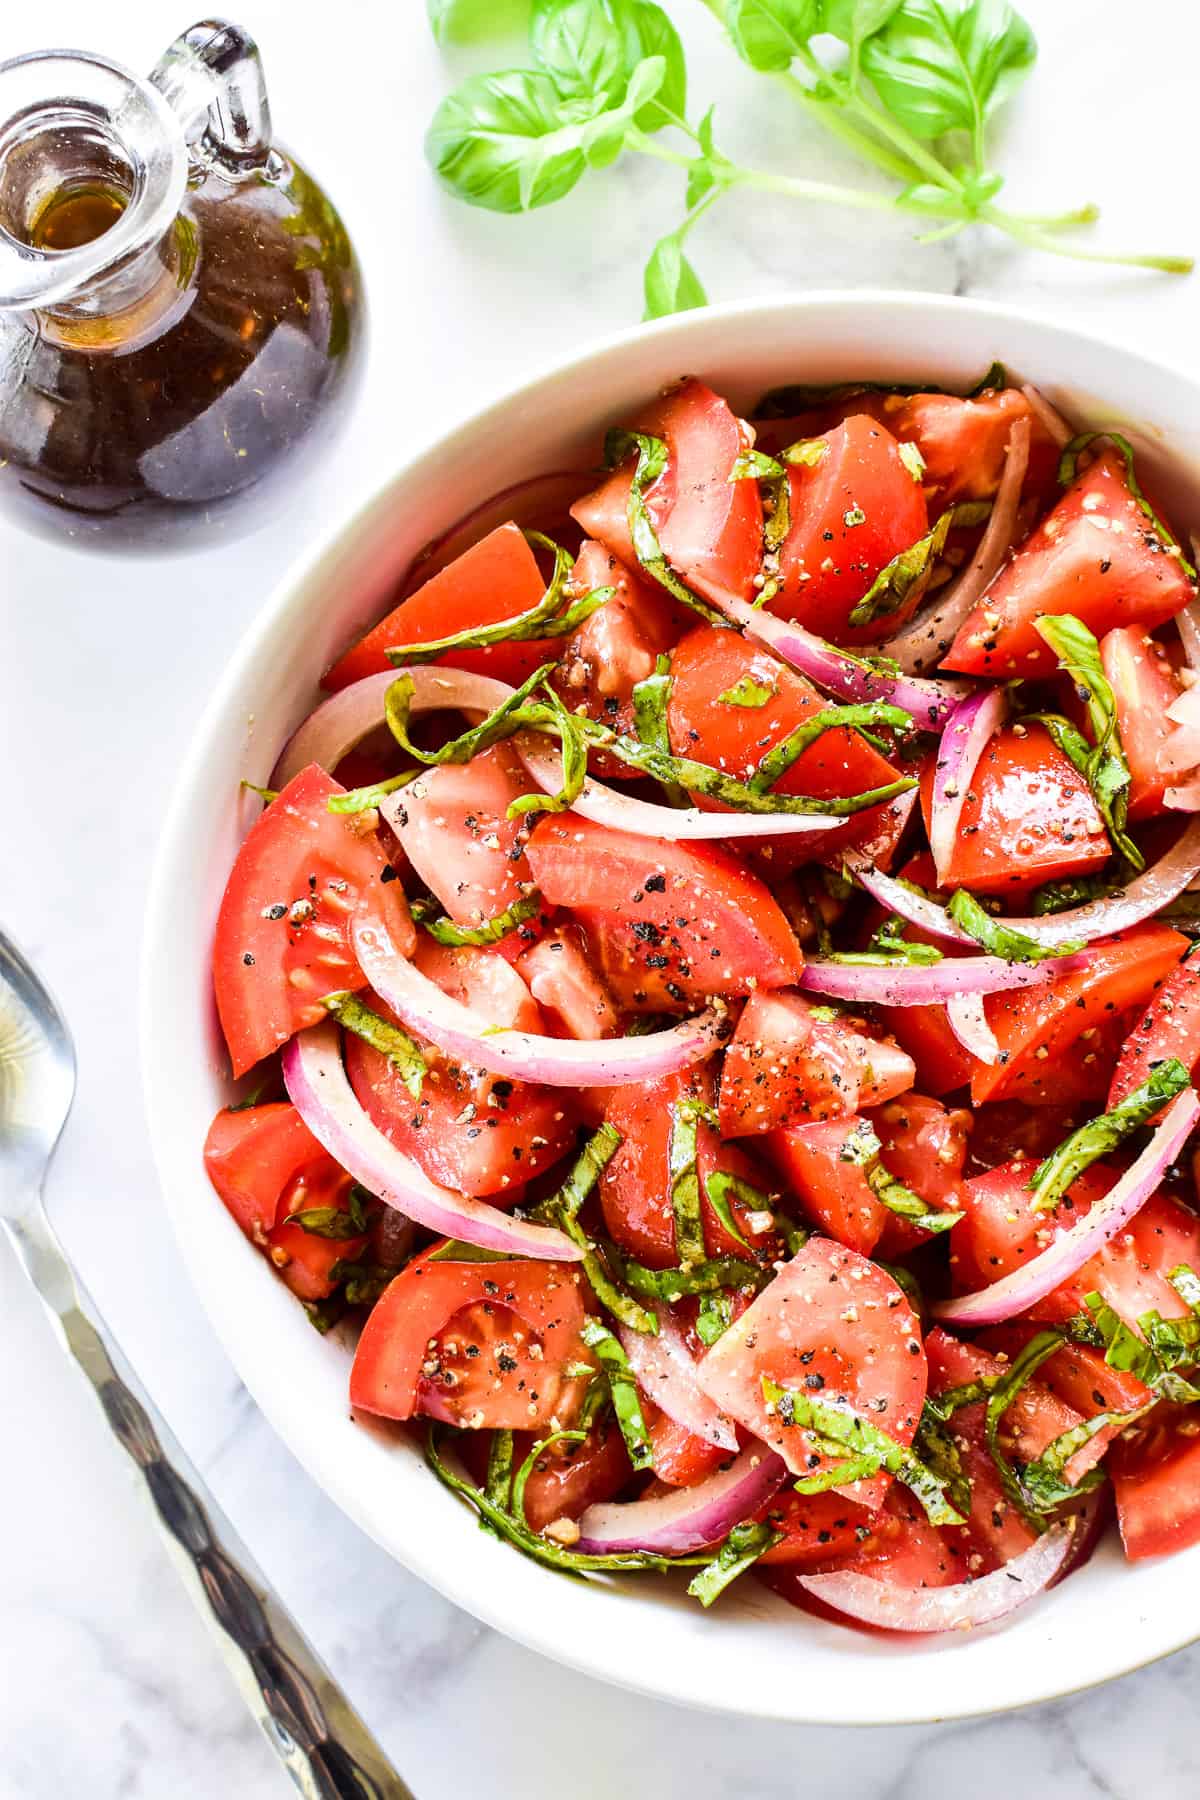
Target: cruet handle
point(212, 79)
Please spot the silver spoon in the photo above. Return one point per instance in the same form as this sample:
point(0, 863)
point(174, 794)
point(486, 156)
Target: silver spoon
point(315, 1732)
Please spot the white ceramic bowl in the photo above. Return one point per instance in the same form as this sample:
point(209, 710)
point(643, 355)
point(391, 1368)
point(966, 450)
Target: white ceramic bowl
point(752, 1654)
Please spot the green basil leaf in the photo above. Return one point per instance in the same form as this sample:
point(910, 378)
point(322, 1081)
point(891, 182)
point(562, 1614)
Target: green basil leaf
point(767, 34)
point(1106, 770)
point(684, 1178)
point(741, 1549)
point(700, 1278)
point(861, 717)
point(1186, 1283)
point(464, 21)
point(326, 1222)
point(623, 1390)
point(852, 22)
point(362, 799)
point(573, 745)
point(508, 717)
point(1004, 1390)
point(713, 1317)
point(944, 65)
point(455, 1251)
point(443, 930)
point(905, 1203)
point(999, 939)
point(510, 142)
point(669, 283)
point(652, 457)
point(1069, 462)
point(746, 692)
point(890, 942)
point(390, 1040)
point(937, 1448)
point(541, 621)
point(579, 44)
point(721, 1188)
point(909, 572)
point(498, 1485)
point(648, 32)
point(752, 465)
point(1072, 891)
point(1101, 1136)
point(870, 1448)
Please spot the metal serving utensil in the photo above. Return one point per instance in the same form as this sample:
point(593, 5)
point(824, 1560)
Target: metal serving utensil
point(315, 1732)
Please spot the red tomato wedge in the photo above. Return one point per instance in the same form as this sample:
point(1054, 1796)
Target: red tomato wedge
point(306, 1259)
point(635, 1188)
point(283, 931)
point(710, 669)
point(1169, 1026)
point(252, 1155)
point(709, 528)
point(1095, 555)
point(692, 905)
point(852, 511)
point(453, 824)
point(522, 1319)
point(562, 980)
point(1028, 817)
point(831, 1188)
point(479, 1134)
point(818, 1529)
point(567, 1478)
point(681, 1459)
point(832, 1325)
point(493, 580)
point(1041, 1029)
point(784, 1066)
point(1144, 685)
point(1156, 1480)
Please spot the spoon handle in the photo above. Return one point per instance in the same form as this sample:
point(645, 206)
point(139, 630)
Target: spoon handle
point(315, 1732)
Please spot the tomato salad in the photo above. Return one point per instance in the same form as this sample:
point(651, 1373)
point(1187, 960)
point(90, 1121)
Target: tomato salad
point(718, 970)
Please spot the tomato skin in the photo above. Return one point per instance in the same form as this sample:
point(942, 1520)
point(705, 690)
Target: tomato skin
point(1095, 555)
point(1038, 1028)
point(681, 1459)
point(734, 936)
point(495, 579)
point(389, 1377)
point(319, 869)
point(1144, 685)
point(478, 1134)
point(1028, 817)
point(710, 662)
point(818, 1529)
point(783, 1068)
point(565, 985)
point(1156, 1481)
point(1079, 1377)
point(454, 827)
point(709, 528)
point(635, 1188)
point(252, 1155)
point(797, 1332)
point(304, 1259)
point(568, 1478)
point(1168, 1026)
point(851, 513)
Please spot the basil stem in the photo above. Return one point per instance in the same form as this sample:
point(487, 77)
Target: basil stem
point(1068, 464)
point(390, 1040)
point(741, 1549)
point(999, 939)
point(652, 458)
point(866, 1444)
point(908, 573)
point(623, 1390)
point(541, 621)
point(1099, 1137)
point(499, 724)
point(443, 930)
point(1104, 766)
point(872, 713)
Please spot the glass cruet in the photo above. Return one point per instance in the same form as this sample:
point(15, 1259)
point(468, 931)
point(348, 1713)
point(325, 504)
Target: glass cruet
point(180, 306)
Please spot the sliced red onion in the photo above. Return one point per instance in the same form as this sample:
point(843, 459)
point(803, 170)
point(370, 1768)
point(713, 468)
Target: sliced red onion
point(968, 1021)
point(666, 1373)
point(926, 984)
point(959, 1608)
point(1185, 798)
point(554, 1062)
point(645, 818)
point(1053, 423)
point(690, 1518)
point(1015, 1293)
point(925, 640)
point(847, 676)
point(332, 730)
point(972, 725)
point(540, 501)
point(1145, 896)
point(319, 1089)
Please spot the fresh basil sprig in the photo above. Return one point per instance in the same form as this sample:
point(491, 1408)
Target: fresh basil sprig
point(1101, 1136)
point(1103, 763)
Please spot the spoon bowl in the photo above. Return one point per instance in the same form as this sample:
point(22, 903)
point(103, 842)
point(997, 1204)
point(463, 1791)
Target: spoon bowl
point(37, 1079)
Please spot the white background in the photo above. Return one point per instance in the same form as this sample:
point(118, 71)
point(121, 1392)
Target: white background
point(108, 1686)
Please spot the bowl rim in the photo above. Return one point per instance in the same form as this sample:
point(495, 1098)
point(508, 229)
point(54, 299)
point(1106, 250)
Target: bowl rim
point(176, 849)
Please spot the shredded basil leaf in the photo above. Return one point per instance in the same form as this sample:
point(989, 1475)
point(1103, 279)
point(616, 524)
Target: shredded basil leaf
point(623, 1390)
point(879, 715)
point(700, 1278)
point(1069, 461)
point(867, 1446)
point(390, 1040)
point(573, 747)
point(499, 1483)
point(545, 620)
point(267, 795)
point(741, 1549)
point(721, 1188)
point(1077, 890)
point(746, 692)
point(601, 1265)
point(327, 1222)
point(506, 719)
point(454, 1250)
point(444, 930)
point(362, 799)
point(807, 453)
point(999, 939)
point(713, 1317)
point(1126, 1351)
point(908, 573)
point(905, 1204)
point(651, 697)
point(936, 1447)
point(1104, 766)
point(652, 459)
point(684, 1178)
point(752, 465)
point(1100, 1136)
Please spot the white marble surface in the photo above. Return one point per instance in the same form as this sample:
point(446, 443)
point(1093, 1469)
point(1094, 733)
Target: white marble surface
point(108, 1686)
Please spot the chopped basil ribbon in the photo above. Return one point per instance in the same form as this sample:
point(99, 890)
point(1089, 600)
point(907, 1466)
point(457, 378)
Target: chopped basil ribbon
point(390, 1040)
point(701, 1278)
point(1068, 463)
point(870, 1450)
point(650, 700)
point(545, 620)
point(1078, 890)
point(562, 1210)
point(807, 453)
point(742, 1548)
point(862, 717)
point(1051, 1179)
point(454, 1250)
point(1103, 765)
point(444, 930)
point(652, 460)
point(889, 948)
point(937, 1448)
point(499, 724)
point(573, 746)
point(517, 1504)
point(332, 1221)
point(714, 1317)
point(1131, 1354)
point(362, 799)
point(797, 397)
point(863, 1148)
point(267, 795)
point(720, 1186)
point(1004, 1391)
point(499, 1483)
point(746, 692)
point(684, 1177)
point(623, 1391)
point(909, 571)
point(361, 1282)
point(999, 939)
point(913, 461)
point(752, 465)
